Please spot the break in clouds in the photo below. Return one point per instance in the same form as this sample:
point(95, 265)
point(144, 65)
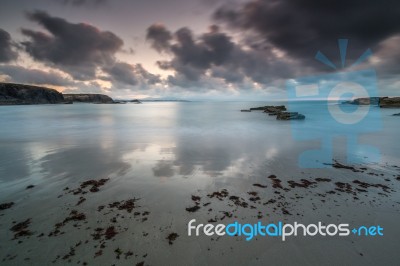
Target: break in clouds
point(258, 42)
point(81, 50)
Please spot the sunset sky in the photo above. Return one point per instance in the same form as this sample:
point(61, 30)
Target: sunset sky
point(192, 49)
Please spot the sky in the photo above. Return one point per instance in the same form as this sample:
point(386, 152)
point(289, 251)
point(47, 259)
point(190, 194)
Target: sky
point(194, 49)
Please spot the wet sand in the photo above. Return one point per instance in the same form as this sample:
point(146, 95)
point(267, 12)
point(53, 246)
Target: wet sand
point(93, 223)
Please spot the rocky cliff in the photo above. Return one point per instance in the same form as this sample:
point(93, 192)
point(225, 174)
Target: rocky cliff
point(383, 102)
point(88, 98)
point(366, 101)
point(387, 102)
point(13, 94)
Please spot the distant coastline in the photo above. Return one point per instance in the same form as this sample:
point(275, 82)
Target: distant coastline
point(165, 100)
point(382, 102)
point(21, 94)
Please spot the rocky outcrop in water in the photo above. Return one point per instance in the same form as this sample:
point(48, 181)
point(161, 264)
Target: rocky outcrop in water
point(274, 110)
point(88, 98)
point(279, 111)
point(15, 94)
point(290, 116)
point(269, 108)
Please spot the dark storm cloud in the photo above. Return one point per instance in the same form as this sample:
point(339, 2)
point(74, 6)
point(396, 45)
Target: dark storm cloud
point(211, 48)
point(192, 58)
point(76, 48)
point(301, 27)
point(6, 52)
point(148, 77)
point(129, 74)
point(387, 59)
point(159, 37)
point(276, 40)
point(122, 72)
point(82, 2)
point(34, 76)
point(214, 54)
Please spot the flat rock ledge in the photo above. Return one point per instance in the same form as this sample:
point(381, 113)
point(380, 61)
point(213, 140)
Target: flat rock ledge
point(279, 111)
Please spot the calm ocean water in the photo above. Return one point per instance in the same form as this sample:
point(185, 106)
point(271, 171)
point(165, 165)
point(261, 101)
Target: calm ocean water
point(160, 139)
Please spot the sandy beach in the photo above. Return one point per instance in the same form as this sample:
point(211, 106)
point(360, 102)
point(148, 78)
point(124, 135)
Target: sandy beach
point(117, 185)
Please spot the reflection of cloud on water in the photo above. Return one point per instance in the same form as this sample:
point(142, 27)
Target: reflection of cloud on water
point(13, 162)
point(19, 159)
point(163, 169)
point(271, 153)
point(215, 155)
point(85, 161)
point(211, 157)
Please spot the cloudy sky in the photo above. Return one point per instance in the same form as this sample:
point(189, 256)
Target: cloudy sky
point(193, 49)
